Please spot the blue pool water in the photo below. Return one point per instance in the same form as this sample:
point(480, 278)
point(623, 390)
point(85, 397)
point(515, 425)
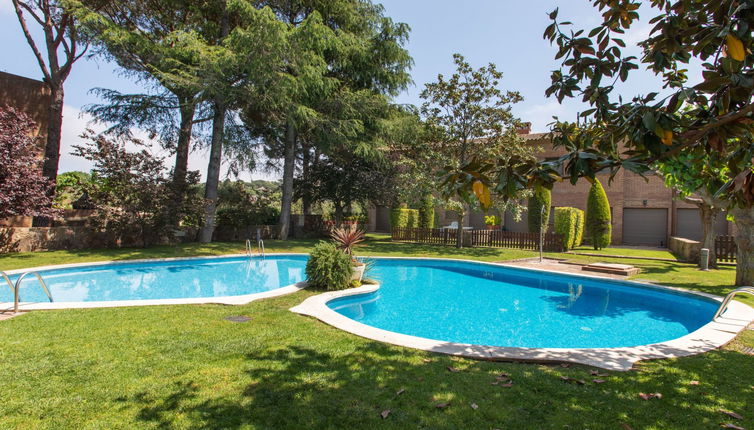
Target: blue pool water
point(200, 277)
point(490, 305)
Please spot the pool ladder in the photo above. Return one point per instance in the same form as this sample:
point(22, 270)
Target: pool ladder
point(260, 248)
point(729, 297)
point(17, 286)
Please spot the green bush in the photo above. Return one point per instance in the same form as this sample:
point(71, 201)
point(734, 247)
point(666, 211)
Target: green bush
point(541, 198)
point(566, 220)
point(578, 239)
point(427, 212)
point(599, 227)
point(404, 218)
point(328, 267)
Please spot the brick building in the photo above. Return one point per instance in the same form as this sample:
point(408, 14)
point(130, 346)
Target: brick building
point(31, 97)
point(644, 210)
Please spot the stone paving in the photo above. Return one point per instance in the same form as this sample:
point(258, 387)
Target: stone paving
point(558, 266)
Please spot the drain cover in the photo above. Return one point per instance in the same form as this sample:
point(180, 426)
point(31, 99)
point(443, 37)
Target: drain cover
point(237, 319)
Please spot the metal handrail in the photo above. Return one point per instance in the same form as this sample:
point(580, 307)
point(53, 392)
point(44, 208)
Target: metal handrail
point(8, 281)
point(17, 288)
point(729, 297)
point(248, 247)
point(260, 247)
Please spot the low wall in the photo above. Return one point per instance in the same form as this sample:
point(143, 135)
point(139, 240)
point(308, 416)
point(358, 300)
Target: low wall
point(235, 234)
point(685, 249)
point(27, 239)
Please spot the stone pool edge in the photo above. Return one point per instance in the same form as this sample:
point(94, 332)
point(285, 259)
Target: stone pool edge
point(712, 335)
point(222, 300)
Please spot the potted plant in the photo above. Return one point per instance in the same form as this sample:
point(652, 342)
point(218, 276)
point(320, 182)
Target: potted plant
point(345, 238)
point(493, 222)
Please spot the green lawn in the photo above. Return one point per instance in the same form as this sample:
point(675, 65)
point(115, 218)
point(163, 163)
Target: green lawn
point(627, 252)
point(172, 367)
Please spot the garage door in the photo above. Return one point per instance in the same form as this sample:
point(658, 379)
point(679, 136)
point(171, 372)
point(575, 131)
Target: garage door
point(645, 226)
point(689, 224)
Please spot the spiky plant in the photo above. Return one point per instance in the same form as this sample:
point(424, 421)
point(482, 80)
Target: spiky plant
point(346, 238)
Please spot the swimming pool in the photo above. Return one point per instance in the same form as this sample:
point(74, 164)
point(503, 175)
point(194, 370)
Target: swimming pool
point(501, 306)
point(492, 311)
point(162, 281)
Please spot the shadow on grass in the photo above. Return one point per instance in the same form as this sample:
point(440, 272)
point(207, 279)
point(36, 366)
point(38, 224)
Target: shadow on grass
point(296, 387)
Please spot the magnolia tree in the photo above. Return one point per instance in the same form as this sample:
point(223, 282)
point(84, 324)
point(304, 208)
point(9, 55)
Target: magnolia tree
point(24, 191)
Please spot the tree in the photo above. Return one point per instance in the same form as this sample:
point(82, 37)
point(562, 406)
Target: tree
point(717, 109)
point(70, 186)
point(539, 209)
point(427, 211)
point(697, 182)
point(469, 115)
point(157, 43)
point(344, 58)
point(129, 190)
point(599, 227)
point(64, 46)
point(24, 190)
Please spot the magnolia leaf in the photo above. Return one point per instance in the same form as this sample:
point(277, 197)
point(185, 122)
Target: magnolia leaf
point(453, 369)
point(401, 391)
point(735, 47)
point(474, 406)
point(384, 414)
point(442, 405)
point(732, 426)
point(667, 137)
point(731, 414)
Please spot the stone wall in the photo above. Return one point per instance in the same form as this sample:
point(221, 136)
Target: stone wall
point(27, 239)
point(685, 249)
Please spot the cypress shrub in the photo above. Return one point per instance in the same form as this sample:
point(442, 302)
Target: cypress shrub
point(565, 225)
point(427, 212)
point(402, 218)
point(599, 227)
point(328, 268)
point(578, 239)
point(541, 198)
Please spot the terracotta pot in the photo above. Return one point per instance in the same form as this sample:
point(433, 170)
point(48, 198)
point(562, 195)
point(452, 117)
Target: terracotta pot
point(493, 227)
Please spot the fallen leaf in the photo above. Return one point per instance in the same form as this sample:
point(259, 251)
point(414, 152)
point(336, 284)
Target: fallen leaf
point(648, 396)
point(731, 426)
point(385, 413)
point(731, 414)
point(694, 383)
point(453, 369)
point(598, 381)
point(626, 426)
point(494, 383)
point(426, 360)
point(508, 385)
point(568, 379)
point(401, 391)
point(474, 406)
point(565, 365)
point(442, 405)
point(502, 378)
point(597, 373)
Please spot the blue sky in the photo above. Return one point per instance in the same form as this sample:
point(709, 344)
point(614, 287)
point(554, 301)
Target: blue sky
point(505, 32)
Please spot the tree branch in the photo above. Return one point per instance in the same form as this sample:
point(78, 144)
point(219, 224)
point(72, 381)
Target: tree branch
point(30, 40)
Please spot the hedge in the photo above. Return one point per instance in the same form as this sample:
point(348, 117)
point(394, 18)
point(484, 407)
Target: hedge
point(404, 218)
point(541, 198)
point(567, 225)
point(599, 226)
point(427, 212)
point(579, 228)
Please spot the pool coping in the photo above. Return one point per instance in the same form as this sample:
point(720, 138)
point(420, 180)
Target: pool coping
point(222, 300)
point(712, 335)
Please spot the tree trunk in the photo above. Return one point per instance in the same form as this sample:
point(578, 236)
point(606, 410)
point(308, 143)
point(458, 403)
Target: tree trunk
point(744, 219)
point(338, 208)
point(52, 146)
point(306, 200)
point(187, 109)
point(289, 165)
point(213, 173)
point(459, 236)
point(709, 215)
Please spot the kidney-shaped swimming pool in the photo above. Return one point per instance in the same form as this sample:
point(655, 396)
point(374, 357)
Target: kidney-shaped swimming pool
point(482, 304)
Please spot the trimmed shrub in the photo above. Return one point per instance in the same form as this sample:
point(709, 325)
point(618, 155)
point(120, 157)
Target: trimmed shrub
point(541, 198)
point(599, 227)
point(404, 218)
point(566, 220)
point(328, 268)
point(427, 212)
point(578, 239)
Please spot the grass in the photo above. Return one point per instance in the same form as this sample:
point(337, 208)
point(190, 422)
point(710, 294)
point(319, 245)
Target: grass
point(637, 252)
point(174, 367)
